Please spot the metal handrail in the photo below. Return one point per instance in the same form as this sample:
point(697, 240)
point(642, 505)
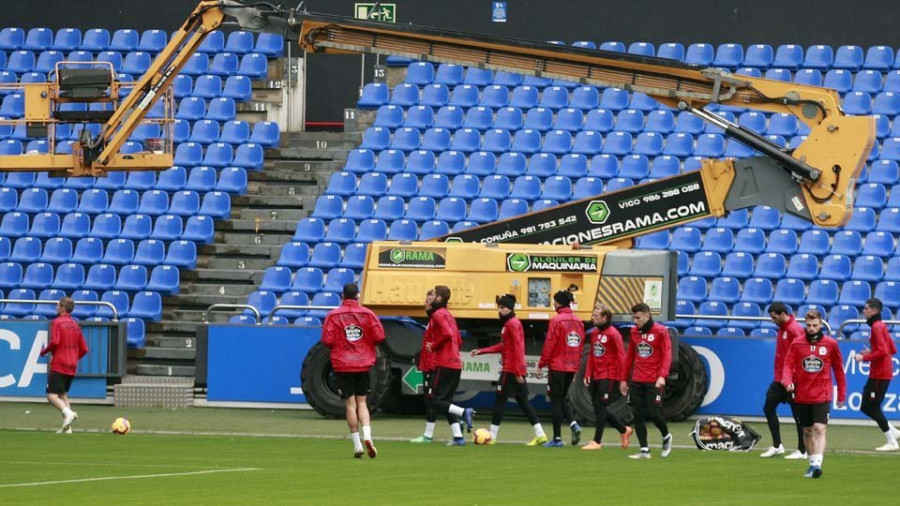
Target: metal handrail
point(115, 312)
point(217, 307)
point(290, 306)
point(860, 320)
point(740, 318)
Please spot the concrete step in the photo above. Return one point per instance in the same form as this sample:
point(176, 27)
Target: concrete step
point(269, 202)
point(288, 188)
point(272, 214)
point(278, 168)
point(215, 276)
point(232, 290)
point(268, 238)
point(164, 370)
point(322, 140)
point(240, 263)
point(309, 153)
point(170, 353)
point(200, 302)
point(192, 315)
point(172, 342)
point(168, 326)
point(259, 225)
point(242, 250)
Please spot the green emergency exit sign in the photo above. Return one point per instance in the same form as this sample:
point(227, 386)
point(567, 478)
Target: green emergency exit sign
point(385, 12)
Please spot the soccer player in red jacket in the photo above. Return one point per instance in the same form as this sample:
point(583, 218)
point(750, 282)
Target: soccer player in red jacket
point(426, 365)
point(442, 338)
point(352, 332)
point(513, 371)
point(880, 359)
point(605, 369)
point(649, 358)
point(66, 347)
point(807, 373)
point(788, 330)
point(562, 354)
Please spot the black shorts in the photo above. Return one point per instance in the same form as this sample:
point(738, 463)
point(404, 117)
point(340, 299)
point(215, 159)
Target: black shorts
point(603, 391)
point(808, 414)
point(59, 383)
point(509, 386)
point(778, 393)
point(444, 383)
point(558, 383)
point(646, 397)
point(352, 384)
point(875, 390)
point(426, 380)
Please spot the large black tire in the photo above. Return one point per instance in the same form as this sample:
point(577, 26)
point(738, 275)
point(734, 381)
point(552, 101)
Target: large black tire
point(580, 397)
point(686, 386)
point(317, 378)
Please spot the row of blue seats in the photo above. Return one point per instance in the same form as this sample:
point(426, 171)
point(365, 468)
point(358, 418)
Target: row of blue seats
point(768, 333)
point(822, 290)
point(135, 335)
point(189, 108)
point(199, 179)
point(71, 276)
point(774, 265)
point(151, 203)
point(344, 230)
point(91, 250)
point(146, 305)
point(238, 88)
point(126, 39)
point(167, 227)
point(728, 55)
point(265, 301)
point(302, 321)
point(252, 65)
point(311, 280)
point(836, 316)
point(542, 119)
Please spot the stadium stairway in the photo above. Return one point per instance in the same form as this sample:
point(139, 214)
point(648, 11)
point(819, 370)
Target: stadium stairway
point(243, 247)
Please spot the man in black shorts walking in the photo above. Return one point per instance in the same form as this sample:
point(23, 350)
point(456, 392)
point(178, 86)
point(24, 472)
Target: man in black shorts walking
point(66, 347)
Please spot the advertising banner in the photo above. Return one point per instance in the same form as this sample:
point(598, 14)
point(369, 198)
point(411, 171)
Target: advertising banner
point(633, 210)
point(23, 372)
point(741, 369)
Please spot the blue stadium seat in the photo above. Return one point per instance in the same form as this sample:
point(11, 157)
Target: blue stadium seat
point(226, 64)
point(371, 230)
point(172, 179)
point(526, 188)
point(857, 103)
point(403, 230)
point(540, 205)
point(354, 256)
point(483, 210)
point(614, 99)
point(153, 203)
point(269, 44)
point(131, 278)
point(14, 38)
point(451, 210)
point(293, 298)
point(325, 255)
point(835, 267)
point(46, 62)
point(207, 86)
point(757, 290)
point(655, 240)
point(106, 226)
point(707, 264)
point(728, 56)
point(221, 109)
point(462, 96)
point(359, 207)
point(585, 98)
point(573, 165)
point(819, 57)
point(803, 266)
point(308, 280)
point(888, 292)
point(5, 247)
point(680, 144)
point(137, 227)
point(671, 50)
point(449, 74)
point(867, 268)
point(153, 41)
point(838, 315)
point(848, 57)
point(891, 272)
point(878, 243)
point(33, 200)
point(436, 139)
point(738, 265)
point(465, 186)
point(701, 54)
point(788, 56)
point(125, 202)
point(879, 58)
point(712, 308)
point(617, 143)
point(389, 116)
point(869, 81)
point(147, 306)
point(643, 102)
point(13, 107)
point(149, 252)
point(421, 209)
point(569, 119)
point(642, 48)
point(846, 242)
point(37, 276)
point(432, 229)
point(435, 95)
point(587, 187)
point(168, 228)
point(496, 96)
point(276, 279)
point(599, 120)
point(293, 255)
point(88, 251)
point(69, 277)
point(863, 220)
point(683, 307)
point(790, 291)
point(649, 144)
point(337, 278)
point(9, 200)
point(182, 254)
point(389, 208)
point(20, 309)
point(884, 172)
point(750, 240)
point(662, 122)
point(341, 231)
point(719, 239)
point(692, 288)
point(324, 299)
point(239, 88)
point(420, 73)
point(636, 167)
point(45, 225)
point(373, 96)
point(771, 266)
point(686, 239)
point(512, 207)
point(25, 250)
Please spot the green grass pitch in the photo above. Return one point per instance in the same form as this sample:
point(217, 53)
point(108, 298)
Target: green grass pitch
point(249, 457)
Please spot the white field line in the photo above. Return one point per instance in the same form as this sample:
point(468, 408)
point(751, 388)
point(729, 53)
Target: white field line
point(134, 477)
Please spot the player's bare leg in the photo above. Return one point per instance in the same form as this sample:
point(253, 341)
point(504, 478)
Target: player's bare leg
point(362, 410)
point(353, 424)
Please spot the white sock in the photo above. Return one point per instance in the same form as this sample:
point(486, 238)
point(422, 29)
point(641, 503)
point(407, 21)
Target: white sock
point(456, 410)
point(494, 430)
point(454, 428)
point(538, 430)
point(367, 433)
point(429, 429)
point(356, 443)
point(573, 423)
point(816, 459)
point(645, 449)
point(66, 411)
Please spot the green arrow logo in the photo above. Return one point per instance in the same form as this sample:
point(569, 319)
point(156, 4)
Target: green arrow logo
point(597, 212)
point(397, 255)
point(414, 378)
point(518, 262)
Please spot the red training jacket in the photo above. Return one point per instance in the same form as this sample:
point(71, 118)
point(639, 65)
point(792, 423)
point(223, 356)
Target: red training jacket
point(808, 366)
point(445, 340)
point(786, 335)
point(562, 347)
point(426, 358)
point(352, 332)
point(606, 356)
point(650, 354)
point(511, 348)
point(881, 354)
point(66, 344)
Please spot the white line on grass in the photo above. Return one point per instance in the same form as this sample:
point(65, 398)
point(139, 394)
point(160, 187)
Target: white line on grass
point(134, 477)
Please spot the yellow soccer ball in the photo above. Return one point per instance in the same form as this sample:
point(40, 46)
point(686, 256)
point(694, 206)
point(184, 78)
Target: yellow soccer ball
point(121, 426)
